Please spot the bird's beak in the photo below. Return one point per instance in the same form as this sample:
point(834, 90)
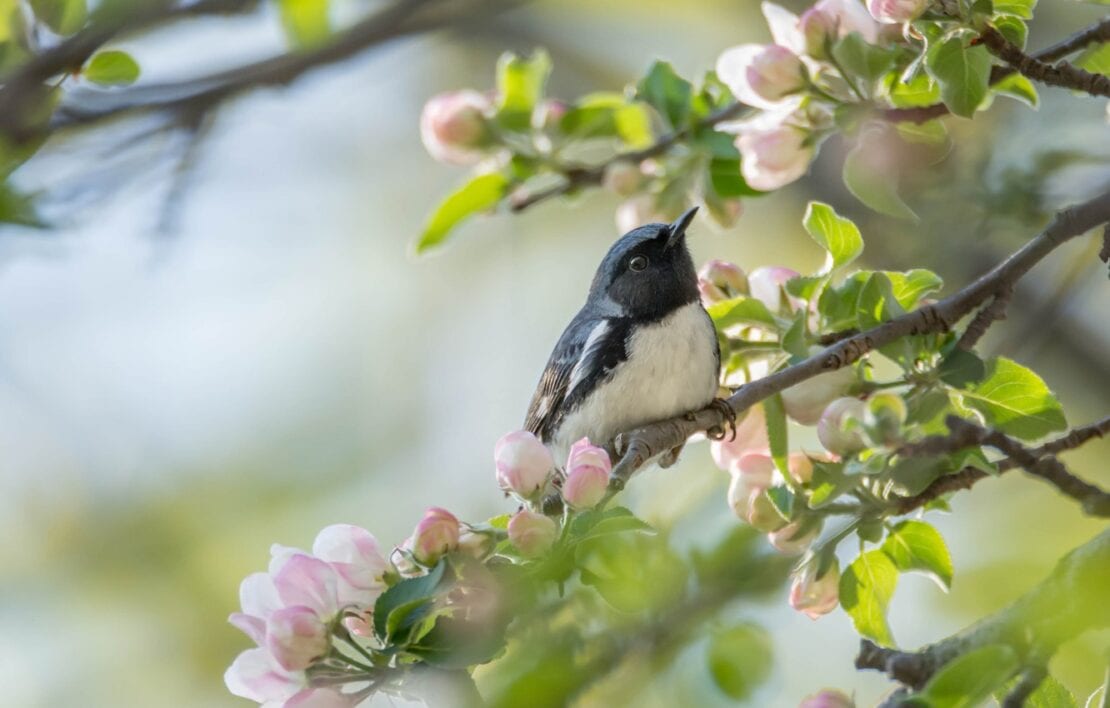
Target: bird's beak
point(677, 230)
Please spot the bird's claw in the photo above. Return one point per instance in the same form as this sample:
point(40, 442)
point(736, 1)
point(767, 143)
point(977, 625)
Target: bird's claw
point(728, 428)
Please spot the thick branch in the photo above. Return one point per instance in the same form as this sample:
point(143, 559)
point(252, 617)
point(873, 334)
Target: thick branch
point(1058, 74)
point(1070, 601)
point(640, 445)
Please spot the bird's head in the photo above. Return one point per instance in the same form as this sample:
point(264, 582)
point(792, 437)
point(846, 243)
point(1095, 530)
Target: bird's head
point(648, 272)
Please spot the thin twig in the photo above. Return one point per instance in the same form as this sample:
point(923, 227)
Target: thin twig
point(1032, 677)
point(1059, 74)
point(995, 310)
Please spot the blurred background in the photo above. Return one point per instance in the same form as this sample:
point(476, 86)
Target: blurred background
point(206, 357)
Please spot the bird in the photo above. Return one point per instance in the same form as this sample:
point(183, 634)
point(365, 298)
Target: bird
point(642, 348)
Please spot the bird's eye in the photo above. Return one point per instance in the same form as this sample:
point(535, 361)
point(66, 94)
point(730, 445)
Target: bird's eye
point(638, 263)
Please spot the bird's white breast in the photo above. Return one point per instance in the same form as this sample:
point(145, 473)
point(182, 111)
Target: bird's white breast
point(671, 369)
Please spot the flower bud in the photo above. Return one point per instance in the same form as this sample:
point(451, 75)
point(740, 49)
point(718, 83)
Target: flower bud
point(296, 636)
point(436, 534)
point(623, 178)
point(819, 30)
point(588, 468)
point(883, 417)
point(896, 11)
point(475, 543)
point(831, 427)
point(757, 469)
point(523, 464)
point(727, 278)
point(796, 537)
point(766, 285)
point(453, 126)
point(740, 496)
point(532, 533)
point(800, 467)
point(850, 16)
point(773, 157)
point(806, 401)
point(827, 698)
point(761, 75)
point(816, 596)
point(763, 515)
point(751, 436)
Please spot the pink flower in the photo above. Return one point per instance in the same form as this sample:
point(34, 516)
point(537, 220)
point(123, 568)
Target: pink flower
point(453, 126)
point(475, 543)
point(763, 515)
point(832, 427)
point(773, 156)
point(851, 16)
point(767, 282)
point(827, 698)
point(588, 468)
point(795, 537)
point(308, 582)
point(436, 534)
point(523, 464)
point(800, 467)
point(757, 469)
point(532, 533)
point(318, 698)
point(751, 436)
point(806, 401)
point(296, 636)
point(816, 596)
point(896, 11)
point(762, 75)
point(720, 280)
point(258, 598)
point(818, 29)
point(256, 675)
point(354, 555)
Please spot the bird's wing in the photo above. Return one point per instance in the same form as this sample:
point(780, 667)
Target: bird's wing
point(569, 365)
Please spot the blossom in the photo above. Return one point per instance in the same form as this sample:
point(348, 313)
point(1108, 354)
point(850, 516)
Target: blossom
point(751, 436)
point(831, 428)
point(256, 675)
point(806, 401)
point(588, 468)
point(436, 534)
point(532, 533)
point(813, 595)
point(475, 544)
point(523, 464)
point(818, 28)
point(453, 126)
point(354, 555)
point(795, 537)
point(296, 636)
point(800, 467)
point(851, 16)
point(763, 515)
point(896, 11)
point(720, 280)
point(767, 282)
point(773, 156)
point(827, 698)
point(762, 75)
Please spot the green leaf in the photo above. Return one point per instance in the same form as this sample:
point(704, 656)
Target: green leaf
point(919, 91)
point(1021, 8)
point(876, 189)
point(404, 597)
point(876, 302)
point(479, 194)
point(740, 660)
point(865, 591)
point(912, 475)
point(828, 483)
point(520, 86)
point(1016, 401)
point(910, 286)
point(963, 73)
point(17, 208)
point(633, 125)
point(837, 235)
point(1095, 58)
point(667, 92)
point(1050, 694)
point(775, 414)
point(861, 59)
point(61, 16)
point(740, 310)
point(960, 367)
point(915, 545)
point(1012, 28)
point(111, 68)
point(968, 680)
point(305, 21)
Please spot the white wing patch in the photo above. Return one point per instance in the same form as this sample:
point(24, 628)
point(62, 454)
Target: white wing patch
point(589, 350)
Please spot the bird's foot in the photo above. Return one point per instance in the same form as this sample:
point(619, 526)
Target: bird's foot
point(668, 458)
point(728, 428)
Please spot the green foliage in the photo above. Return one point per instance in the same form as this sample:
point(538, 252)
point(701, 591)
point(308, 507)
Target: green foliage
point(865, 591)
point(969, 679)
point(1020, 8)
point(916, 545)
point(61, 16)
point(111, 68)
point(520, 86)
point(875, 189)
point(1050, 694)
point(305, 22)
point(775, 414)
point(399, 608)
point(863, 60)
point(740, 659)
point(1016, 401)
point(481, 193)
point(838, 236)
point(667, 92)
point(962, 71)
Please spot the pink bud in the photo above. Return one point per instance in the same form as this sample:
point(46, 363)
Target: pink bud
point(806, 401)
point(532, 533)
point(727, 278)
point(751, 436)
point(896, 11)
point(831, 428)
point(763, 515)
point(851, 16)
point(800, 467)
point(816, 596)
point(353, 553)
point(588, 468)
point(436, 534)
point(296, 636)
point(774, 156)
point(818, 29)
point(623, 178)
point(767, 283)
point(827, 698)
point(757, 469)
point(476, 544)
point(761, 75)
point(795, 537)
point(740, 496)
point(453, 126)
point(523, 464)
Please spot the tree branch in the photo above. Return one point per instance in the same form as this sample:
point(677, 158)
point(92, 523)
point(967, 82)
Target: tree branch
point(1067, 603)
point(1060, 74)
point(968, 476)
point(640, 445)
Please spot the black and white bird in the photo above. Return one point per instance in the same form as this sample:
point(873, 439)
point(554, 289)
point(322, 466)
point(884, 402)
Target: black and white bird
point(641, 349)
